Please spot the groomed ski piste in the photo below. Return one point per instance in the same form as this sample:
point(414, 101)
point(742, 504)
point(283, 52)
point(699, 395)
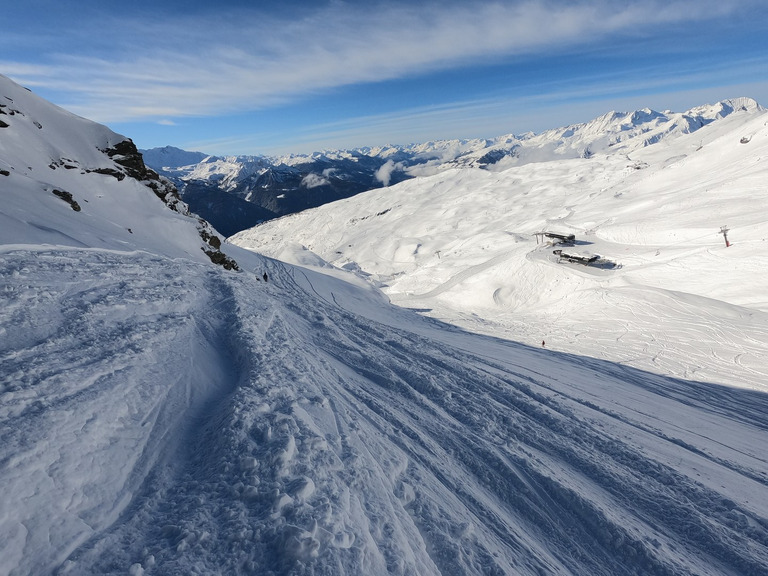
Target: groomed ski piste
point(162, 415)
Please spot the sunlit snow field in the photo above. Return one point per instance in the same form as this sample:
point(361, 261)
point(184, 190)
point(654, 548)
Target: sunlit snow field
point(460, 246)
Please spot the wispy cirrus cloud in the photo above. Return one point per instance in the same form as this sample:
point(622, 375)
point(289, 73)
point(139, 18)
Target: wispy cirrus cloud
point(212, 64)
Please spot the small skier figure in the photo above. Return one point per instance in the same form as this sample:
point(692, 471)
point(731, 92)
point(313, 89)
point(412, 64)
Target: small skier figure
point(542, 343)
point(265, 277)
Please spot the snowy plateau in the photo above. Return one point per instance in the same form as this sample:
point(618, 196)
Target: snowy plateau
point(402, 382)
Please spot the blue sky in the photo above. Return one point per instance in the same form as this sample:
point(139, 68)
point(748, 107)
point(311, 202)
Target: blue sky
point(297, 76)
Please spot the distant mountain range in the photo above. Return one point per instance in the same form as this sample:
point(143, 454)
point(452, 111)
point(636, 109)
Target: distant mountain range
point(237, 192)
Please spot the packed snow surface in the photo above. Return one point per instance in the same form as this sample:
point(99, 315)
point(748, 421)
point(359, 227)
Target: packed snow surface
point(161, 415)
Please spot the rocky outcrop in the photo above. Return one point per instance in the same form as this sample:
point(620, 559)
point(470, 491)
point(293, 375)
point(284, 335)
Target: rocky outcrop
point(130, 163)
point(67, 197)
point(214, 242)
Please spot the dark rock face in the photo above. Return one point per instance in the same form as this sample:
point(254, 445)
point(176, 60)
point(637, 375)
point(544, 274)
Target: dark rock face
point(127, 155)
point(67, 197)
point(222, 259)
point(2, 111)
point(109, 172)
point(215, 253)
point(130, 163)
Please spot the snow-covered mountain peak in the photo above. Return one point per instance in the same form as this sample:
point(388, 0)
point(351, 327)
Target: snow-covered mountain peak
point(170, 157)
point(725, 107)
point(622, 132)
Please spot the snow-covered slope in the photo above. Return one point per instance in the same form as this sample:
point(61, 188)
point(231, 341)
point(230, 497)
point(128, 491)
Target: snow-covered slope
point(162, 415)
point(53, 163)
point(461, 244)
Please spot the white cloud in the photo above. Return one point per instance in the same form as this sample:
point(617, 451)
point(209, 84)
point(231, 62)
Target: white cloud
point(313, 181)
point(189, 67)
point(384, 173)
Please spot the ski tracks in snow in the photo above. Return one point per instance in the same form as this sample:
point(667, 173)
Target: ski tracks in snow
point(107, 358)
point(320, 441)
point(579, 488)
